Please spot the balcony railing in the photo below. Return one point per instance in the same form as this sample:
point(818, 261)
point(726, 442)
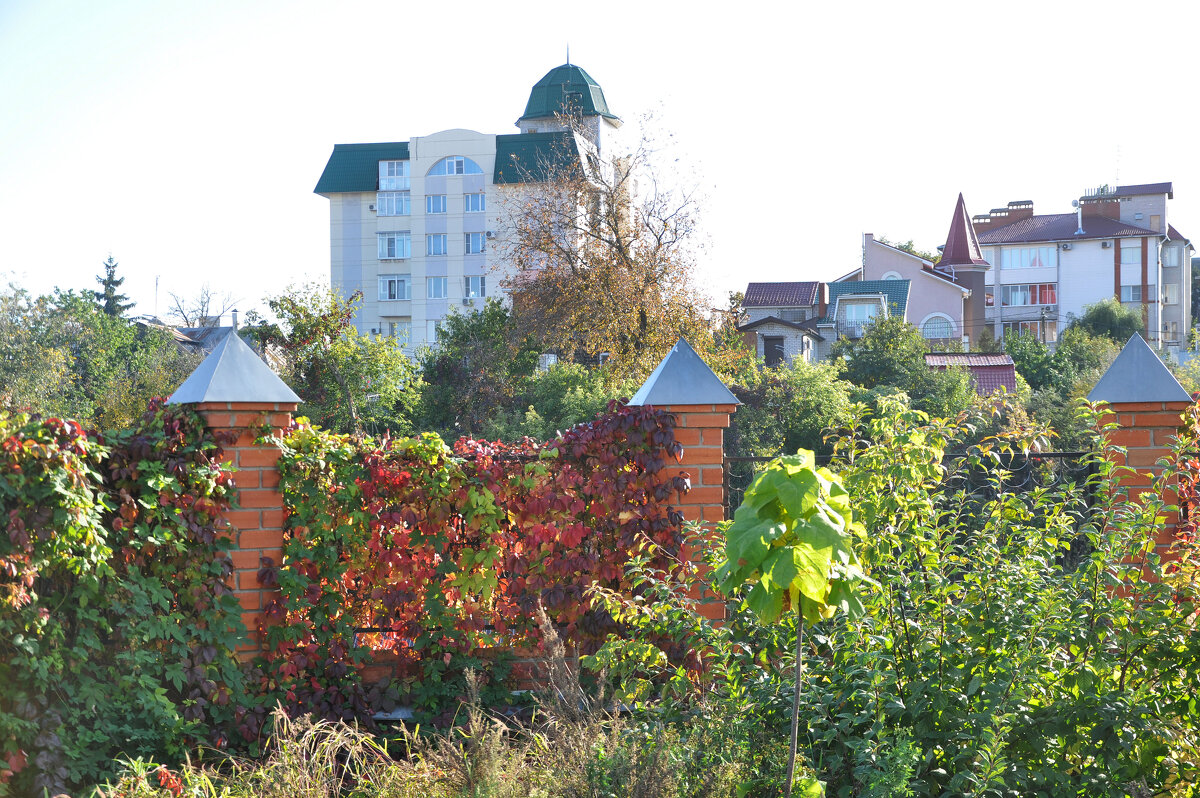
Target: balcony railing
point(853, 329)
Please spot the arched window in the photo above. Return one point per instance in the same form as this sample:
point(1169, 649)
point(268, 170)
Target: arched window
point(936, 327)
point(892, 276)
point(455, 165)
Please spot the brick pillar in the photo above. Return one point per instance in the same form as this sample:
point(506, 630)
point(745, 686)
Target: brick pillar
point(257, 518)
point(1146, 432)
point(701, 430)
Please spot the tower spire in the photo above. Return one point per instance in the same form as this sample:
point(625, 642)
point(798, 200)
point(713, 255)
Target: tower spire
point(568, 53)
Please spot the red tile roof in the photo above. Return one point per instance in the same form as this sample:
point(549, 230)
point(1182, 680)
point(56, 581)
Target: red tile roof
point(962, 247)
point(781, 294)
point(989, 372)
point(1060, 227)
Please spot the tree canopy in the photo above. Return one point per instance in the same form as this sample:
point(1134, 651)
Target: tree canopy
point(1110, 319)
point(107, 298)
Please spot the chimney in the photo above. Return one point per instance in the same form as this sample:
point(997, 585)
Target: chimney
point(1020, 209)
point(821, 300)
point(235, 318)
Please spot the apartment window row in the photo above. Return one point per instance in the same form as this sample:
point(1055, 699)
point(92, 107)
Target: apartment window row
point(1028, 257)
point(1131, 252)
point(399, 286)
point(1029, 294)
point(1047, 332)
point(399, 203)
point(1134, 293)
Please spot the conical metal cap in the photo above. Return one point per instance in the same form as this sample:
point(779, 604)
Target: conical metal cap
point(683, 378)
point(232, 372)
point(1138, 375)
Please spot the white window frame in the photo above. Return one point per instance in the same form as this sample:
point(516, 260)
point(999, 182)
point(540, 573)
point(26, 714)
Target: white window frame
point(1134, 247)
point(1171, 253)
point(1133, 293)
point(474, 243)
point(475, 202)
point(937, 317)
point(435, 242)
point(436, 287)
point(453, 165)
point(401, 330)
point(475, 286)
point(393, 203)
point(435, 203)
point(872, 307)
point(1031, 290)
point(397, 242)
point(401, 283)
point(1025, 257)
point(1170, 293)
point(431, 328)
point(394, 176)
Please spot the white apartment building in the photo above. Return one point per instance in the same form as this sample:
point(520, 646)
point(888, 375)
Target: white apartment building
point(412, 224)
point(1118, 242)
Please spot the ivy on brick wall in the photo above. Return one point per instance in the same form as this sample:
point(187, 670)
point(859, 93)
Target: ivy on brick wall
point(436, 558)
point(116, 625)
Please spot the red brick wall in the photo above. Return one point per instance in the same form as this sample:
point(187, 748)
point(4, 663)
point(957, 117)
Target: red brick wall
point(1146, 431)
point(257, 523)
point(701, 430)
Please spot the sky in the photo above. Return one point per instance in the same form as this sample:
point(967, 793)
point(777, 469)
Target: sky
point(185, 138)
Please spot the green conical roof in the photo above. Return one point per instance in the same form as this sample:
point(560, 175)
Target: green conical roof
point(566, 89)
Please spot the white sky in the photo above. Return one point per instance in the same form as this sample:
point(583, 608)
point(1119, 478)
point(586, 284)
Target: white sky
point(186, 137)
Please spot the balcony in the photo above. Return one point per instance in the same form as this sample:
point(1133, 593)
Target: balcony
point(853, 329)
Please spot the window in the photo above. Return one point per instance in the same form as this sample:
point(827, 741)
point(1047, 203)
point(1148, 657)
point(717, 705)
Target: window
point(475, 287)
point(1171, 332)
point(1170, 256)
point(435, 244)
point(793, 314)
point(1028, 257)
point(1048, 333)
point(435, 203)
point(394, 245)
point(401, 331)
point(474, 203)
point(1170, 294)
point(773, 350)
point(892, 276)
point(431, 331)
point(860, 313)
point(456, 165)
point(473, 243)
point(1134, 293)
point(393, 175)
point(1034, 294)
point(937, 327)
point(395, 286)
point(392, 203)
point(1131, 252)
point(435, 287)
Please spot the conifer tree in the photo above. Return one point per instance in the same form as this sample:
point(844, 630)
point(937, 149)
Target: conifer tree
point(107, 298)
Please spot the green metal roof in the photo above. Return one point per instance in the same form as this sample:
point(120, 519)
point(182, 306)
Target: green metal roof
point(533, 157)
point(566, 89)
point(895, 293)
point(355, 167)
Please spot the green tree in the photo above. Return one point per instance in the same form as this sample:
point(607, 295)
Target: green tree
point(479, 367)
point(789, 408)
point(1109, 319)
point(891, 353)
point(349, 382)
point(107, 298)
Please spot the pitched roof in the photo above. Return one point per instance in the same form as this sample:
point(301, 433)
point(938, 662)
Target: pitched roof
point(355, 167)
point(807, 327)
point(1138, 375)
point(895, 294)
point(566, 89)
point(1175, 235)
point(967, 359)
point(534, 157)
point(784, 294)
point(1060, 227)
point(233, 373)
point(683, 378)
point(962, 247)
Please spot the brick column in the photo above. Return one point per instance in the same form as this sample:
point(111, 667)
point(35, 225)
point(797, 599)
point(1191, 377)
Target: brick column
point(701, 430)
point(1146, 431)
point(257, 518)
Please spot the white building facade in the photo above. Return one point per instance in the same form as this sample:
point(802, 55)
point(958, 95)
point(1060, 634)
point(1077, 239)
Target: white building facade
point(1119, 242)
point(413, 224)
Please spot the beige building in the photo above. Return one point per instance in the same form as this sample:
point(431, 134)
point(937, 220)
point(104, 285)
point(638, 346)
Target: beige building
point(413, 224)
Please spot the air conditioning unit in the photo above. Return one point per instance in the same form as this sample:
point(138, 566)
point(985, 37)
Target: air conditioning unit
point(467, 300)
point(491, 233)
point(1105, 245)
point(1066, 247)
point(370, 207)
